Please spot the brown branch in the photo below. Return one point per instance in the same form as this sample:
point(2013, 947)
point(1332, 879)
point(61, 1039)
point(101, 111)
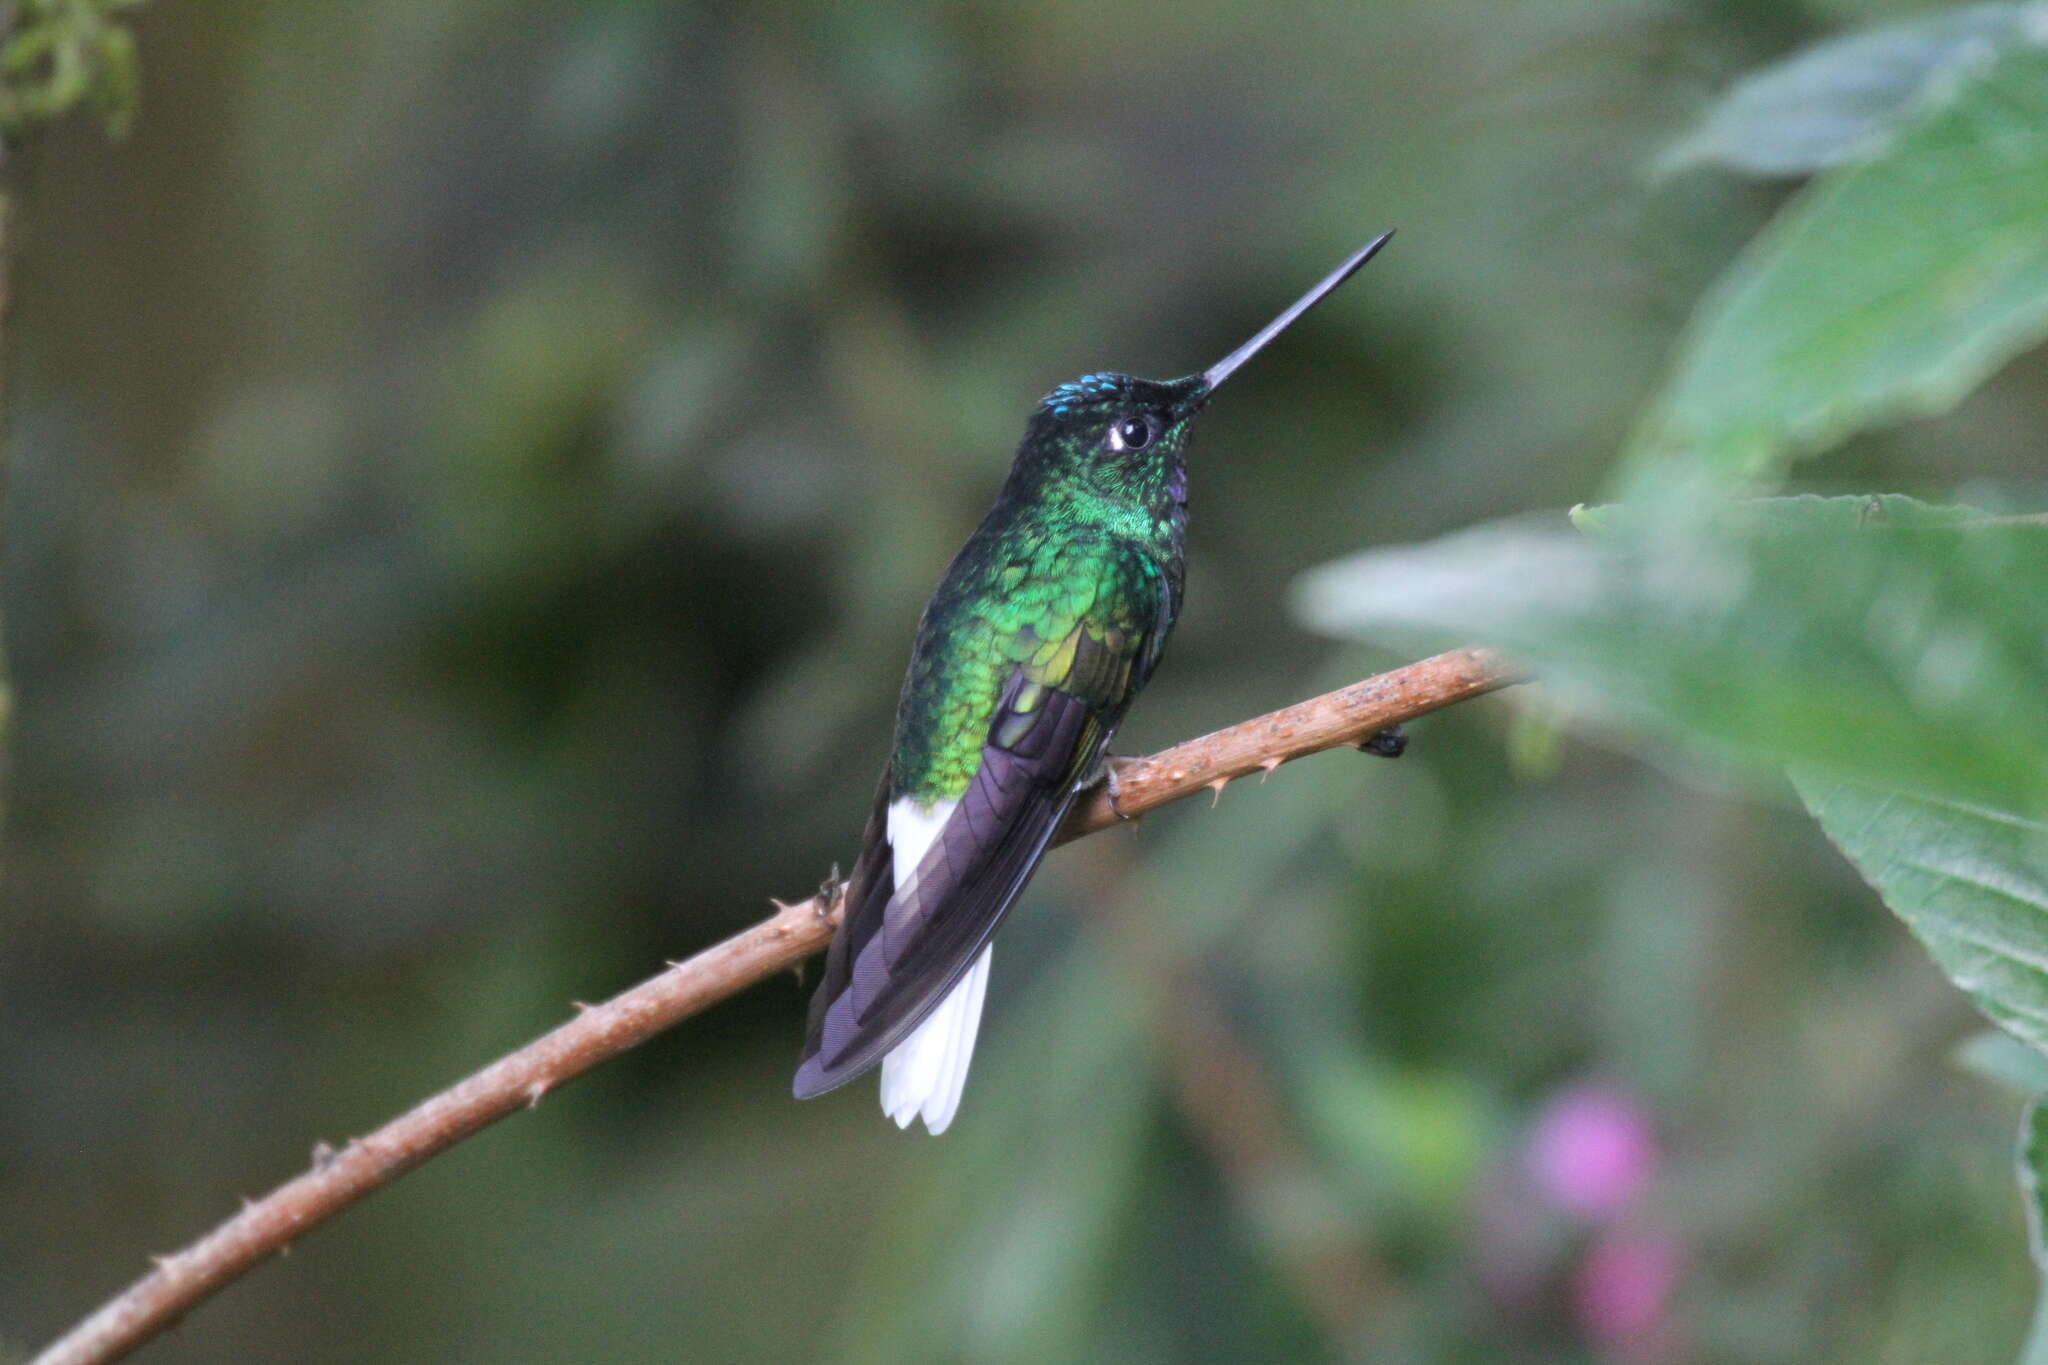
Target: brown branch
point(337, 1179)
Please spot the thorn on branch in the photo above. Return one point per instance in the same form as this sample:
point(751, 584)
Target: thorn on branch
point(1216, 791)
point(323, 1155)
point(534, 1093)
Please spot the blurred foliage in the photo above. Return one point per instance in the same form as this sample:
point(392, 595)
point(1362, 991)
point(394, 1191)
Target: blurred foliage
point(1891, 287)
point(1865, 637)
point(1840, 100)
point(476, 471)
point(60, 55)
point(1888, 653)
point(2033, 1161)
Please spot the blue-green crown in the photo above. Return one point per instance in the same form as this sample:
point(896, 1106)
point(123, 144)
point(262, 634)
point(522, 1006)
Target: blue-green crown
point(1091, 393)
point(1087, 391)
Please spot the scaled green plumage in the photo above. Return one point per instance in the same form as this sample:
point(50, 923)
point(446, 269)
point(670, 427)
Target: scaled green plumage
point(1047, 623)
point(1074, 576)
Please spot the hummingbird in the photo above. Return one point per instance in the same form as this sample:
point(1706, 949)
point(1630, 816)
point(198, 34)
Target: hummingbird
point(1047, 623)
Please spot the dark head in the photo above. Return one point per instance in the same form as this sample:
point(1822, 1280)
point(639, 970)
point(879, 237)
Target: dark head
point(1115, 435)
point(1125, 439)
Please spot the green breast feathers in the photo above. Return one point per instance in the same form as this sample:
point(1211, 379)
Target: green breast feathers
point(1081, 616)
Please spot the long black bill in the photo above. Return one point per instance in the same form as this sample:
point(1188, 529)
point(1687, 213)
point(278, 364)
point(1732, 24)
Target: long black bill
point(1222, 369)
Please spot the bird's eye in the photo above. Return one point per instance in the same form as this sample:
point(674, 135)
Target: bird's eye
point(1131, 433)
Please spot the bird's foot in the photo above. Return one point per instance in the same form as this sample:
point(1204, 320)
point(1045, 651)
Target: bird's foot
point(1391, 742)
point(829, 892)
point(1106, 773)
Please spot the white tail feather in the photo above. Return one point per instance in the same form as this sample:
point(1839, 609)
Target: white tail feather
point(925, 1073)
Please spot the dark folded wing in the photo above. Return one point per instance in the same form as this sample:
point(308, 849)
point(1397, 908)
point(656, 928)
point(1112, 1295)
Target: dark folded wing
point(900, 950)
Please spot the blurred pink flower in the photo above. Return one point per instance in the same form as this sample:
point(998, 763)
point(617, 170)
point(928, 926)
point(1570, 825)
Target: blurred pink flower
point(1591, 1151)
point(1622, 1286)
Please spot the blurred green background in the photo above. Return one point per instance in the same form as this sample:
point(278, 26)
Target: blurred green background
point(476, 469)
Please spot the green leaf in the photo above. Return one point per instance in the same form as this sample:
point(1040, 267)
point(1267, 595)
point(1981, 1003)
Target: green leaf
point(1904, 648)
point(1888, 289)
point(1892, 653)
point(2033, 1165)
point(1842, 98)
point(1970, 881)
point(1804, 511)
point(1999, 1057)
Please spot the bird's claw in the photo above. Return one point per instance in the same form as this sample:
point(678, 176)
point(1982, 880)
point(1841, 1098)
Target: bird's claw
point(1106, 774)
point(829, 892)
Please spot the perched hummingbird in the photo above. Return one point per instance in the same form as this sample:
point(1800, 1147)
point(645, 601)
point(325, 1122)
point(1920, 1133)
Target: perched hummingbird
point(1047, 623)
